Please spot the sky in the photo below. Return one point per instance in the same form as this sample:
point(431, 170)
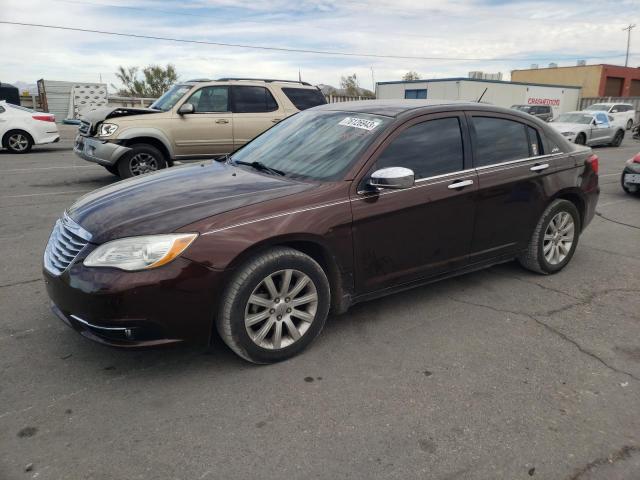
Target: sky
point(501, 35)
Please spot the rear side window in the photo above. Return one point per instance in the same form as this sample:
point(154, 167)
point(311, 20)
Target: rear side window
point(430, 148)
point(247, 99)
point(304, 98)
point(499, 140)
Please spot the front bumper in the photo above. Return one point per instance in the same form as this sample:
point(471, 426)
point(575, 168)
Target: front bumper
point(171, 304)
point(98, 151)
point(631, 168)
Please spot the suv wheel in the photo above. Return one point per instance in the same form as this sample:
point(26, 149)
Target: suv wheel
point(17, 141)
point(554, 239)
point(142, 158)
point(274, 306)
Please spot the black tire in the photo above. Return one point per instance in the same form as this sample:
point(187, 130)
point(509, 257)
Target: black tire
point(152, 158)
point(112, 169)
point(17, 141)
point(581, 139)
point(617, 140)
point(230, 321)
point(629, 124)
point(533, 258)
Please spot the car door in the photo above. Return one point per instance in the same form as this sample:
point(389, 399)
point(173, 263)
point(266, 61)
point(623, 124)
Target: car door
point(602, 130)
point(405, 235)
point(254, 110)
point(209, 129)
point(513, 175)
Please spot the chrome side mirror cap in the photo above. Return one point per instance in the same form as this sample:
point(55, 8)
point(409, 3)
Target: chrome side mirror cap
point(392, 177)
point(186, 108)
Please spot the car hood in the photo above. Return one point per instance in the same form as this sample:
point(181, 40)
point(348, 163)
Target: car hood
point(165, 201)
point(568, 127)
point(99, 114)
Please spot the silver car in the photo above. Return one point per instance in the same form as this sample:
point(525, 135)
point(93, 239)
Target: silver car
point(589, 128)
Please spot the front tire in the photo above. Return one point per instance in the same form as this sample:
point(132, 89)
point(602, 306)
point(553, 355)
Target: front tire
point(581, 139)
point(617, 140)
point(17, 141)
point(554, 239)
point(274, 306)
point(142, 158)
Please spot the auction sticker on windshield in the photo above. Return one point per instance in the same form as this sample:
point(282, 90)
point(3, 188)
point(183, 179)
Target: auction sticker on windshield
point(362, 123)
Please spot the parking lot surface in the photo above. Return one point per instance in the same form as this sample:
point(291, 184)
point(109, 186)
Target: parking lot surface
point(500, 374)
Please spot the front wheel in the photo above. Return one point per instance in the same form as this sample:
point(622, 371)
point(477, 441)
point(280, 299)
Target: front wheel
point(554, 239)
point(581, 139)
point(274, 306)
point(142, 158)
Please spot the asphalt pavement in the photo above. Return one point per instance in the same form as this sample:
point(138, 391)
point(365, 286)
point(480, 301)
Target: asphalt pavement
point(499, 374)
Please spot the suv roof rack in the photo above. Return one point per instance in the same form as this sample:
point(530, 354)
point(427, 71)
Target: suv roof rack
point(268, 80)
point(200, 80)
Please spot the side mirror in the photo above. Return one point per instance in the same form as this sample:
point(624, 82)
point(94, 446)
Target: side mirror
point(615, 110)
point(186, 108)
point(392, 177)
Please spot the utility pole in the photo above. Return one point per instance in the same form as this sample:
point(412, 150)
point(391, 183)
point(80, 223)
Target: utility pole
point(628, 29)
point(373, 81)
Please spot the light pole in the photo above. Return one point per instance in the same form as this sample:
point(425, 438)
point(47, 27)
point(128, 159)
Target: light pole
point(628, 29)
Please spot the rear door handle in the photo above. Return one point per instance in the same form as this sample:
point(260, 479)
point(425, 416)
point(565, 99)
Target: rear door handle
point(460, 184)
point(539, 167)
point(222, 120)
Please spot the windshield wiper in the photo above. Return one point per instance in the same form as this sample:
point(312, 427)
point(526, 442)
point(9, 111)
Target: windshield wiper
point(260, 166)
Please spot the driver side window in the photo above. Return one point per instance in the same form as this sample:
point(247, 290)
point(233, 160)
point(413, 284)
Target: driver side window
point(210, 100)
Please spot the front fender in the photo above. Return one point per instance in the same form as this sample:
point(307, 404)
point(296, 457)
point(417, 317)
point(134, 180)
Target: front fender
point(149, 132)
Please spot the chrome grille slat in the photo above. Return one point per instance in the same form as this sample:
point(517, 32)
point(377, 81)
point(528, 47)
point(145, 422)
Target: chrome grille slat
point(67, 240)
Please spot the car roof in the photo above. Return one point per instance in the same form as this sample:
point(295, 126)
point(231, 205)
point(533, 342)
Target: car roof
point(249, 82)
point(395, 108)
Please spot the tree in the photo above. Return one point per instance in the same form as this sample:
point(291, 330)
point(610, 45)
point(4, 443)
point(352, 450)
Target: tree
point(156, 80)
point(350, 85)
point(407, 77)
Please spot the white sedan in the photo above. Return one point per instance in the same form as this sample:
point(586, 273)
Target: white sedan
point(21, 128)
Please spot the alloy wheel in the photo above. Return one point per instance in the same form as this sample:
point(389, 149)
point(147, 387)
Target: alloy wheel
point(18, 142)
point(143, 163)
point(558, 238)
point(281, 309)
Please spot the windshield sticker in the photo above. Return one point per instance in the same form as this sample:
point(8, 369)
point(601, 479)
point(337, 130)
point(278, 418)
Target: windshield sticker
point(360, 123)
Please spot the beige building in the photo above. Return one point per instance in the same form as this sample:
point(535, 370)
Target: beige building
point(595, 80)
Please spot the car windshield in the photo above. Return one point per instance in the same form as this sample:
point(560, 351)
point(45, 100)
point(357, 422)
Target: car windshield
point(574, 118)
point(522, 108)
point(598, 106)
point(170, 98)
point(316, 145)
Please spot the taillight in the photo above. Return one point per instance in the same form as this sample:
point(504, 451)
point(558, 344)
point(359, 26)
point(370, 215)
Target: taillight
point(593, 161)
point(44, 118)
point(636, 158)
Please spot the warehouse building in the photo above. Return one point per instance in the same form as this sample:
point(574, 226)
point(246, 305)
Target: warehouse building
point(596, 80)
point(497, 92)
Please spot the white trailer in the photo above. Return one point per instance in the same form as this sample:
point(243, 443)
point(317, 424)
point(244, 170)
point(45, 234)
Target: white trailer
point(504, 94)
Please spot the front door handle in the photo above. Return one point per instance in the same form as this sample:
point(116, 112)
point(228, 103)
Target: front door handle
point(539, 167)
point(222, 120)
point(460, 184)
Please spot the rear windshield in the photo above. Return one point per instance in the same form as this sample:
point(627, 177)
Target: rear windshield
point(304, 98)
point(170, 98)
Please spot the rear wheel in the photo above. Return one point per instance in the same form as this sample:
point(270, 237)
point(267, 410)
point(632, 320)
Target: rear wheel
point(142, 158)
point(274, 306)
point(17, 141)
point(554, 239)
point(617, 140)
point(581, 139)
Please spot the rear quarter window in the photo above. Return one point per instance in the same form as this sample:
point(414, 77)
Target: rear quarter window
point(303, 98)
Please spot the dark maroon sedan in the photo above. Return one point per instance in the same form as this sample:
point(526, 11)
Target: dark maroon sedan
point(332, 206)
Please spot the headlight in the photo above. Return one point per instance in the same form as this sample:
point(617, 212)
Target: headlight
point(140, 253)
point(567, 134)
point(107, 129)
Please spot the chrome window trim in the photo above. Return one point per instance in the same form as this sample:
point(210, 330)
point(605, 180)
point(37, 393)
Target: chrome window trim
point(520, 160)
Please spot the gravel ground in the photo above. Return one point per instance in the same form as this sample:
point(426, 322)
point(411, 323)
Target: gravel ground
point(500, 374)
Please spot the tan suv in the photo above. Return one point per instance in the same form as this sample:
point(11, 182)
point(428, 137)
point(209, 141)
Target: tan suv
point(194, 119)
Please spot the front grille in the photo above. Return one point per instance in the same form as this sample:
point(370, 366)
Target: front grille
point(84, 128)
point(65, 243)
